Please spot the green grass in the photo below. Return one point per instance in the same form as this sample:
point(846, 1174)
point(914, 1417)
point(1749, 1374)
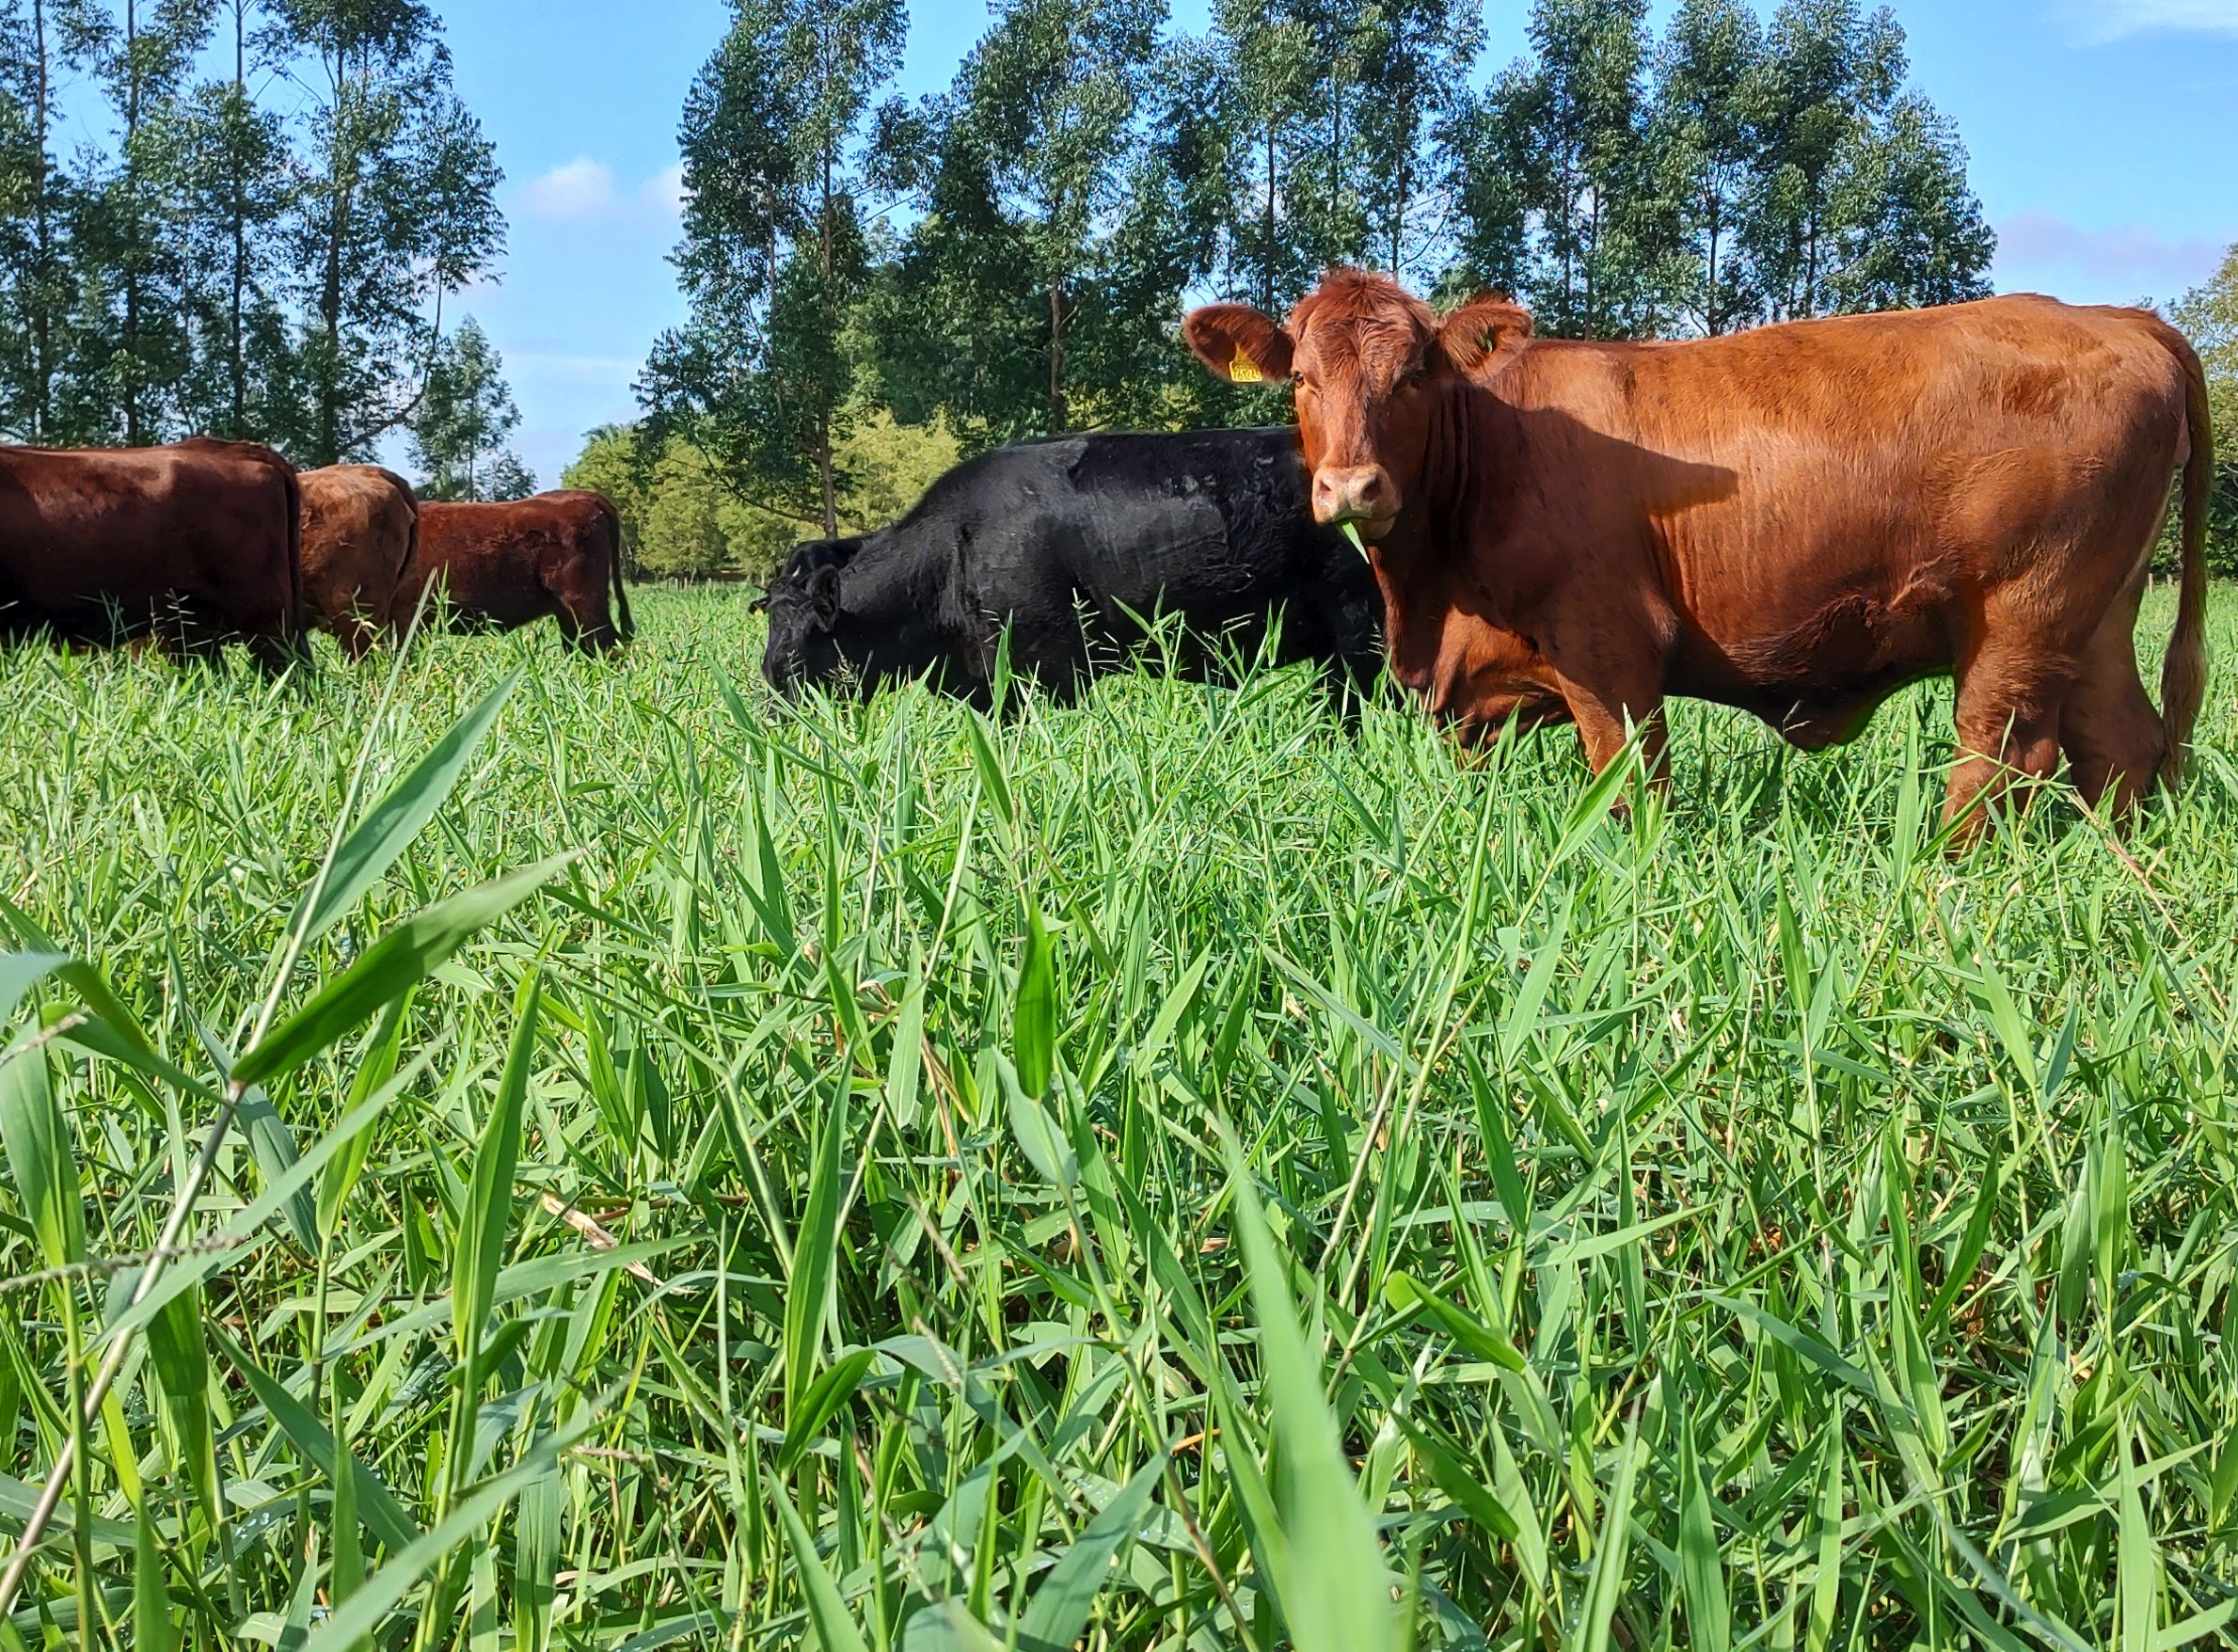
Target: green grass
point(1160, 1173)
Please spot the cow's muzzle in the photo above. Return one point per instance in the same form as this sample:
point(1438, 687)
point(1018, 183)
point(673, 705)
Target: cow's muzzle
point(1363, 495)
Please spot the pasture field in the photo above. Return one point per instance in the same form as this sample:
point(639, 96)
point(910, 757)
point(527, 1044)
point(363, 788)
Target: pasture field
point(1165, 1172)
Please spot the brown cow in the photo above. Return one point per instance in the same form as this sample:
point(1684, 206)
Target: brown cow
point(199, 543)
point(510, 563)
point(360, 524)
point(1795, 521)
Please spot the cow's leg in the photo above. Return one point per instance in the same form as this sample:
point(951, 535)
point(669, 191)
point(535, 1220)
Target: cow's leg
point(277, 654)
point(1609, 715)
point(2112, 733)
point(2010, 694)
point(1608, 663)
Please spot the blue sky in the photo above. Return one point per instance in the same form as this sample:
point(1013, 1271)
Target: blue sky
point(2103, 137)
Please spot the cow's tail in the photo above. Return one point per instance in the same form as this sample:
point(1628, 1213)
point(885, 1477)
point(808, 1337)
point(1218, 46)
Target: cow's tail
point(625, 625)
point(2183, 674)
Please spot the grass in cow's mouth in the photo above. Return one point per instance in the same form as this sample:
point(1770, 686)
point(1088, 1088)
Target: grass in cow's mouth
point(1352, 532)
point(1168, 1173)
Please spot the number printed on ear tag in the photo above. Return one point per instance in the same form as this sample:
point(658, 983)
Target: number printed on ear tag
point(1244, 370)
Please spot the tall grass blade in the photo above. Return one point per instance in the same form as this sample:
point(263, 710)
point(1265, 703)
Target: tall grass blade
point(1336, 1592)
point(834, 1626)
point(391, 824)
point(41, 1159)
point(362, 1615)
point(388, 969)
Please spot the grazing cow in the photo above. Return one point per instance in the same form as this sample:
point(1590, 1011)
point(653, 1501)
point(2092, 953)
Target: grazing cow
point(359, 525)
point(1795, 522)
point(511, 564)
point(1073, 543)
point(199, 543)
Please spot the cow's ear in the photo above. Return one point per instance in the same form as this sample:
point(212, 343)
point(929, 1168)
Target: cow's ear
point(1238, 343)
point(1484, 334)
point(823, 596)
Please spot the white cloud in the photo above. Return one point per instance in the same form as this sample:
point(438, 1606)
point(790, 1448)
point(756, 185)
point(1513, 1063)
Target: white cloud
point(665, 190)
point(2042, 248)
point(2097, 21)
point(583, 191)
point(583, 188)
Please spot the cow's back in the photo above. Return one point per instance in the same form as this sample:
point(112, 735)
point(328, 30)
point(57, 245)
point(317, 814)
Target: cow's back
point(510, 563)
point(359, 522)
point(1817, 502)
point(1210, 526)
point(207, 528)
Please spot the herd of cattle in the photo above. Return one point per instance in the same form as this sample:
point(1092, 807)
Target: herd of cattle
point(204, 541)
point(1795, 522)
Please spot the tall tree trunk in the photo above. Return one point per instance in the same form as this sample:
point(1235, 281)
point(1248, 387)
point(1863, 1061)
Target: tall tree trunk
point(826, 390)
point(1266, 261)
point(236, 366)
point(133, 236)
point(1810, 273)
point(341, 185)
point(43, 320)
point(1057, 411)
point(1712, 309)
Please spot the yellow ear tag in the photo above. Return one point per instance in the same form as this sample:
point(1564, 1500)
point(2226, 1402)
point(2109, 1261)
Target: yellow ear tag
point(1244, 370)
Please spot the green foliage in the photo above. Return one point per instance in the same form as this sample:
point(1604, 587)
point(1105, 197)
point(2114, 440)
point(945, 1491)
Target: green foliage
point(683, 520)
point(2209, 314)
point(464, 416)
point(775, 256)
point(1732, 174)
point(262, 252)
point(1032, 205)
point(889, 466)
point(1172, 1169)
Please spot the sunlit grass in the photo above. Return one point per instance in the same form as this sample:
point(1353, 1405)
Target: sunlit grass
point(918, 1182)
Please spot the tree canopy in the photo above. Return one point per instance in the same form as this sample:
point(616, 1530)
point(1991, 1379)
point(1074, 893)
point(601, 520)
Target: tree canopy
point(1013, 257)
point(259, 242)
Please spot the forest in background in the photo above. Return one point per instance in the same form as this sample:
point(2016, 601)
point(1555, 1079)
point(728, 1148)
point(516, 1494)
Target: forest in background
point(1012, 258)
point(288, 195)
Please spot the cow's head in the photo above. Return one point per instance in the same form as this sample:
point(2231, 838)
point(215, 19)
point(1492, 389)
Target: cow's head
point(1366, 359)
point(867, 610)
point(806, 605)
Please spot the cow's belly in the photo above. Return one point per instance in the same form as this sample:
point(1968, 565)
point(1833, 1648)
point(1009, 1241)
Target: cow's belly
point(504, 589)
point(1818, 677)
point(75, 574)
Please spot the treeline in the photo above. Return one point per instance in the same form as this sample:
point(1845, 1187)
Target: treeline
point(261, 243)
point(1012, 256)
point(2209, 316)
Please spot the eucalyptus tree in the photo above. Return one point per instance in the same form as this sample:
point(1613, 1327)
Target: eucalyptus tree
point(780, 180)
point(134, 348)
point(238, 180)
point(397, 210)
point(1045, 108)
point(463, 419)
point(41, 41)
point(1709, 72)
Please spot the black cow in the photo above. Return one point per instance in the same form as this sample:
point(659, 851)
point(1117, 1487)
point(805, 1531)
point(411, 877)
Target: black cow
point(1073, 543)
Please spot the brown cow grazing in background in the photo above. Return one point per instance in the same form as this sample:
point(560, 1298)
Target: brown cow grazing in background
point(197, 543)
point(360, 524)
point(511, 564)
point(1795, 521)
